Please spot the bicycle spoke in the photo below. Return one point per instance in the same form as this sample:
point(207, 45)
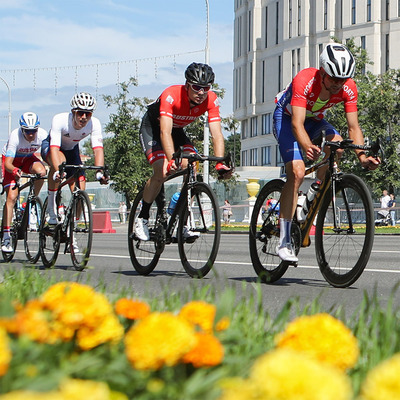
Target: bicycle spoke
point(344, 232)
point(81, 231)
point(32, 235)
point(264, 233)
point(144, 254)
point(199, 232)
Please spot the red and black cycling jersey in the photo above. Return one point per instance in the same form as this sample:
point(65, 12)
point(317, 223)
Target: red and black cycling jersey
point(174, 103)
point(305, 89)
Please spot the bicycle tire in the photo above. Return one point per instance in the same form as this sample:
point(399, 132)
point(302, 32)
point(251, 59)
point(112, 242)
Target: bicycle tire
point(343, 254)
point(199, 251)
point(144, 254)
point(80, 230)
point(49, 239)
point(264, 234)
point(31, 230)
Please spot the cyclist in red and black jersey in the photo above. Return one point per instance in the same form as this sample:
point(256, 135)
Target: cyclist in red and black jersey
point(299, 121)
point(162, 133)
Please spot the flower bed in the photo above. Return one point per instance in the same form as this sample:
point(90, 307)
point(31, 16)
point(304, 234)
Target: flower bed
point(69, 341)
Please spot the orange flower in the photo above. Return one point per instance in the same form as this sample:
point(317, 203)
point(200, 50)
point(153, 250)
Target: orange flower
point(199, 313)
point(222, 324)
point(132, 309)
point(208, 351)
point(5, 352)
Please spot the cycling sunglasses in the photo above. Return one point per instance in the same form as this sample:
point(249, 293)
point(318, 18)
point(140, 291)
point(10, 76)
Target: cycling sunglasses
point(81, 113)
point(197, 88)
point(30, 131)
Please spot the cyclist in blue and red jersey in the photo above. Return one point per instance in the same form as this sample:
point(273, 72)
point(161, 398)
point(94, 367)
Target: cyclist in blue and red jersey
point(162, 133)
point(299, 121)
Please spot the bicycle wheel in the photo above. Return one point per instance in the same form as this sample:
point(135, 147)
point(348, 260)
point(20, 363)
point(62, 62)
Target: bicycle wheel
point(31, 231)
point(50, 239)
point(144, 254)
point(199, 231)
point(343, 251)
point(264, 233)
point(80, 231)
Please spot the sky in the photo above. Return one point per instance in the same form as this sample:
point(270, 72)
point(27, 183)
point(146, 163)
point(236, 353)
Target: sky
point(49, 49)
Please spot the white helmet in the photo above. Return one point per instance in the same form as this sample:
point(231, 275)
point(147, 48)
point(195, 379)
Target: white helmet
point(83, 101)
point(29, 120)
point(337, 61)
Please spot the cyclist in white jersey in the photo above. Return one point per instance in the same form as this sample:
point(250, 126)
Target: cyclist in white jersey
point(18, 157)
point(62, 144)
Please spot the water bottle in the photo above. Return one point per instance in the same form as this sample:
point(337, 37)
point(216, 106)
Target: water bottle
point(299, 210)
point(312, 191)
point(172, 203)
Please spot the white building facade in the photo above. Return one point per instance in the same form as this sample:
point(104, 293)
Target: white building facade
point(275, 39)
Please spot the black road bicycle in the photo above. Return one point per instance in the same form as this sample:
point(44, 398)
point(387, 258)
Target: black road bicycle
point(75, 227)
point(26, 220)
point(344, 230)
point(195, 221)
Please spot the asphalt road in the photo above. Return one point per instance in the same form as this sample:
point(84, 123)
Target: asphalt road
point(110, 264)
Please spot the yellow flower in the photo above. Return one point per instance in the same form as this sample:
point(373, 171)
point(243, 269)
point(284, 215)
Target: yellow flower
point(77, 389)
point(208, 351)
point(5, 352)
point(222, 324)
point(29, 395)
point(383, 382)
point(109, 329)
point(132, 309)
point(200, 313)
point(239, 389)
point(159, 339)
point(285, 374)
point(323, 337)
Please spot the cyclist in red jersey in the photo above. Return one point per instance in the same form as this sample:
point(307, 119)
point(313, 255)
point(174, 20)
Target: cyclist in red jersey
point(299, 121)
point(162, 133)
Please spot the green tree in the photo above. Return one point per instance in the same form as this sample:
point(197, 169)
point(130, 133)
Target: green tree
point(379, 110)
point(232, 143)
point(128, 166)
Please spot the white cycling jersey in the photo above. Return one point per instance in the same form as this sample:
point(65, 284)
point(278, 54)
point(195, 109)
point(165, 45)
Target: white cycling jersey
point(18, 147)
point(64, 136)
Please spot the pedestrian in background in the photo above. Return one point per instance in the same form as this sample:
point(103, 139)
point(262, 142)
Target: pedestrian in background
point(227, 212)
point(391, 205)
point(122, 210)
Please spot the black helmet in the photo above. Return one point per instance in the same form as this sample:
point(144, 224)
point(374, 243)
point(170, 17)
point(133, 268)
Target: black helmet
point(199, 74)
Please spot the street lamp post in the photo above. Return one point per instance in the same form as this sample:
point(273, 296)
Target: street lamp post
point(206, 128)
point(9, 106)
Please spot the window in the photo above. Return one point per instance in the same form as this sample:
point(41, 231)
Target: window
point(387, 52)
point(387, 10)
point(266, 27)
point(263, 82)
point(251, 83)
point(353, 11)
point(299, 18)
point(298, 61)
point(250, 30)
point(363, 47)
point(290, 18)
point(266, 124)
point(293, 63)
point(369, 10)
point(266, 155)
point(279, 73)
point(398, 8)
point(244, 158)
point(253, 126)
point(325, 15)
point(277, 24)
point(279, 160)
point(244, 129)
point(253, 157)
